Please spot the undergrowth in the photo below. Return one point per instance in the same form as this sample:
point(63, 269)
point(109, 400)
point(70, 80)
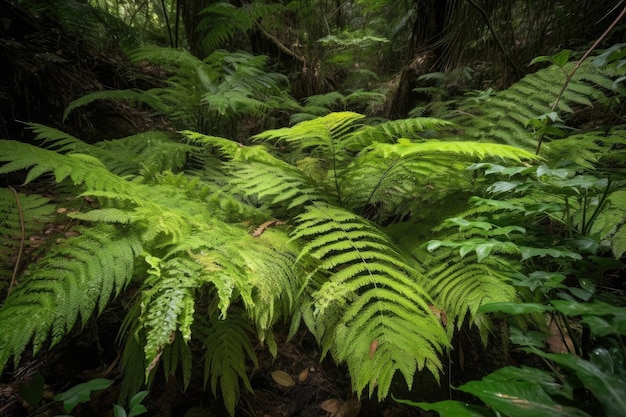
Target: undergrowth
point(323, 225)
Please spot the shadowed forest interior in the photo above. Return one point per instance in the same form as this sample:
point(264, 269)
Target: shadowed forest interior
point(274, 208)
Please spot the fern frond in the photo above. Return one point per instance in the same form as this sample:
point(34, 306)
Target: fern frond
point(405, 148)
point(391, 178)
point(222, 20)
point(132, 96)
point(167, 304)
point(371, 295)
point(33, 211)
point(148, 153)
point(72, 281)
point(461, 284)
point(324, 135)
point(81, 169)
point(391, 131)
point(227, 348)
point(57, 140)
point(502, 118)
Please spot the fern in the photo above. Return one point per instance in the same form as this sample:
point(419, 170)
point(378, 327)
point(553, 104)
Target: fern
point(221, 21)
point(17, 209)
point(167, 304)
point(71, 281)
point(369, 296)
point(503, 118)
point(227, 346)
point(198, 92)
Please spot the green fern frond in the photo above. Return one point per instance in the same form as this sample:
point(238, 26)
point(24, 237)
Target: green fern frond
point(148, 153)
point(222, 20)
point(502, 118)
point(405, 148)
point(391, 131)
point(81, 169)
point(461, 284)
point(391, 178)
point(227, 348)
point(17, 209)
point(371, 295)
point(72, 280)
point(132, 96)
point(277, 184)
point(323, 136)
point(57, 140)
point(167, 304)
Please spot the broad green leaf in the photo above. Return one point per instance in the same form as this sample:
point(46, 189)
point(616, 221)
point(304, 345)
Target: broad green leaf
point(607, 386)
point(517, 398)
point(81, 393)
point(514, 308)
point(451, 408)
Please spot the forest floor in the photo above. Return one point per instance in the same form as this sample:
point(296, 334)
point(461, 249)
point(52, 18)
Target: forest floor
point(295, 383)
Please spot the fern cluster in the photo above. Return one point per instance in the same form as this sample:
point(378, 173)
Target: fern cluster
point(321, 224)
point(505, 116)
point(210, 95)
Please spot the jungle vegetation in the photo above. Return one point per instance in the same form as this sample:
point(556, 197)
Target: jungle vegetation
point(389, 177)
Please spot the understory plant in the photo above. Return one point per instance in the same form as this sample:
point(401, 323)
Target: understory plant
point(212, 244)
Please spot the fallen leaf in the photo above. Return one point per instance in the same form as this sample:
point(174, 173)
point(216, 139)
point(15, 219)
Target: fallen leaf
point(332, 405)
point(350, 408)
point(303, 375)
point(283, 379)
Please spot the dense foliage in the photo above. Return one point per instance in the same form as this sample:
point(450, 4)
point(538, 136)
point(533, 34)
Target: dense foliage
point(384, 238)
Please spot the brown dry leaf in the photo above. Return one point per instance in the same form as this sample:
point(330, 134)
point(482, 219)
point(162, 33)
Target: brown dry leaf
point(303, 375)
point(350, 408)
point(61, 210)
point(332, 405)
point(283, 379)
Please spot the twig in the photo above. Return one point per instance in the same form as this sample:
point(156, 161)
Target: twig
point(578, 64)
point(19, 254)
point(507, 57)
point(280, 45)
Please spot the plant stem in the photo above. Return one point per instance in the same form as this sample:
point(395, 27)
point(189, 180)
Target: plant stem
point(23, 237)
point(578, 64)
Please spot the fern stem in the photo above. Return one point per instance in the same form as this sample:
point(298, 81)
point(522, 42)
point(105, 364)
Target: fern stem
point(378, 185)
point(23, 237)
point(578, 64)
point(568, 219)
point(601, 202)
point(583, 223)
point(337, 189)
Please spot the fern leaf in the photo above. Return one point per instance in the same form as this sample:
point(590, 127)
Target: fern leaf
point(227, 347)
point(167, 304)
point(324, 134)
point(71, 281)
point(500, 118)
point(128, 95)
point(405, 148)
point(370, 295)
point(33, 211)
point(56, 139)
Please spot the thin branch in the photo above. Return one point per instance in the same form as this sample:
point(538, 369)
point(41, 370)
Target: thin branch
point(507, 57)
point(578, 64)
point(280, 45)
point(23, 238)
